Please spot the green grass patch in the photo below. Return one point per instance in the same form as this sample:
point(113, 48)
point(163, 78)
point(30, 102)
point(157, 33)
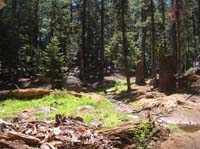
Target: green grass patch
point(40, 115)
point(135, 104)
point(173, 128)
point(62, 103)
point(143, 134)
point(117, 85)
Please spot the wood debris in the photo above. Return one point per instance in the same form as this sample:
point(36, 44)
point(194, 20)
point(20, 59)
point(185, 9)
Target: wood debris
point(65, 132)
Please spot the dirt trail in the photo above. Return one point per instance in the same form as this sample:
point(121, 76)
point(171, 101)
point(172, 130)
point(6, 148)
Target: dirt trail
point(181, 109)
point(182, 141)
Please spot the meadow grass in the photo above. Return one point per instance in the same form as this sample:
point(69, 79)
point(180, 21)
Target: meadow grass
point(66, 104)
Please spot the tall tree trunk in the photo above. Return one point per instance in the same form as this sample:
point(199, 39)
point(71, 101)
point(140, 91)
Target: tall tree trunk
point(125, 45)
point(18, 25)
point(102, 43)
point(173, 33)
point(153, 50)
point(199, 20)
point(163, 27)
point(167, 80)
point(194, 30)
point(36, 28)
point(40, 15)
point(178, 33)
point(140, 69)
point(83, 48)
point(71, 16)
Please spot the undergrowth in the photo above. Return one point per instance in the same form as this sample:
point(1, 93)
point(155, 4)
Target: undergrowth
point(143, 134)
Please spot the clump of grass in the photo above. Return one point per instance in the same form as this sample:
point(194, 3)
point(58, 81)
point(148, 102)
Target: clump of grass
point(66, 104)
point(143, 134)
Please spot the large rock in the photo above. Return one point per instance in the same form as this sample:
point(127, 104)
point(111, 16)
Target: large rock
point(72, 83)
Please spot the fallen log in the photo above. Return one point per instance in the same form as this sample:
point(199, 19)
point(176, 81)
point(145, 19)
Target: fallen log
point(27, 139)
point(13, 145)
point(32, 93)
point(117, 130)
point(25, 93)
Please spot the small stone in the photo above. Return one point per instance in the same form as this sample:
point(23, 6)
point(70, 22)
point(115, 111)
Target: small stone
point(85, 107)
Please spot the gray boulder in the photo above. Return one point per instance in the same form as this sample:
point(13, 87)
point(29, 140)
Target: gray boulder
point(72, 83)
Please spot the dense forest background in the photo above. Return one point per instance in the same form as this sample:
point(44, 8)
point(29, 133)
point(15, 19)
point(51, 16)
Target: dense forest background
point(51, 38)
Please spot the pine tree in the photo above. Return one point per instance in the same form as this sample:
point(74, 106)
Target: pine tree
point(54, 64)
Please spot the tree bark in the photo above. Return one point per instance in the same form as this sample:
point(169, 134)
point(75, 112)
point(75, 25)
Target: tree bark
point(167, 81)
point(163, 27)
point(36, 28)
point(16, 7)
point(153, 50)
point(140, 69)
point(199, 19)
point(194, 30)
point(173, 35)
point(102, 43)
point(71, 16)
point(125, 45)
point(83, 48)
point(177, 5)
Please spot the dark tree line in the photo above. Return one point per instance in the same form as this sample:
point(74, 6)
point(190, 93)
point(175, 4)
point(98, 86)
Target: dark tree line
point(100, 37)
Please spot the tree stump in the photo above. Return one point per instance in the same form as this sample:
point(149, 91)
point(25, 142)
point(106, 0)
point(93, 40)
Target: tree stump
point(167, 81)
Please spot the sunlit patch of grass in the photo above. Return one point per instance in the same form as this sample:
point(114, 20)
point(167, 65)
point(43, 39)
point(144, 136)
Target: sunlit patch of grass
point(115, 119)
point(40, 115)
point(66, 104)
point(106, 113)
point(173, 128)
point(118, 86)
point(135, 104)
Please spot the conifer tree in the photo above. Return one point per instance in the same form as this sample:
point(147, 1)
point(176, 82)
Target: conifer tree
point(54, 64)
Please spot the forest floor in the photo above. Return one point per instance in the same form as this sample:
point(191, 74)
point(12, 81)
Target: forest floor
point(178, 112)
